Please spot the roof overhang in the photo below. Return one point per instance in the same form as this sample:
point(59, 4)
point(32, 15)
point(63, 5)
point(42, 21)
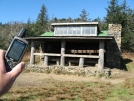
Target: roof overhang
point(70, 38)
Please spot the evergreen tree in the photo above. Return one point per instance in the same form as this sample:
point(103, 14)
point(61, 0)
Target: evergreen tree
point(55, 20)
point(113, 12)
point(30, 28)
point(0, 23)
point(84, 16)
point(42, 20)
point(122, 14)
point(69, 19)
point(102, 24)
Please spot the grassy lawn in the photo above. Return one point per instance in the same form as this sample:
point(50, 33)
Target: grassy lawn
point(128, 61)
point(73, 91)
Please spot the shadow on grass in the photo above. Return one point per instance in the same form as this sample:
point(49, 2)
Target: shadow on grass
point(124, 62)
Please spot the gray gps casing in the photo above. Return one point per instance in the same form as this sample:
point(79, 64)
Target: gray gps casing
point(15, 51)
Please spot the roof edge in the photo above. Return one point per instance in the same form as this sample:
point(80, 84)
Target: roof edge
point(76, 23)
point(69, 37)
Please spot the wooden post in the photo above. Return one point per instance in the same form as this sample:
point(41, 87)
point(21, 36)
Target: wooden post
point(62, 60)
point(101, 55)
point(57, 62)
point(42, 50)
point(46, 60)
point(69, 63)
point(81, 62)
point(32, 57)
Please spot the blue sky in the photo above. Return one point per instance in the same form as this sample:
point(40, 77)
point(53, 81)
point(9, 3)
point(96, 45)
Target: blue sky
point(21, 10)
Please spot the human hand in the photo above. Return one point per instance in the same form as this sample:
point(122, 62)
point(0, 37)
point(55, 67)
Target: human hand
point(7, 78)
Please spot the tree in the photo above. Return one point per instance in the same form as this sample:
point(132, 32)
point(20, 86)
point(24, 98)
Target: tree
point(42, 20)
point(122, 14)
point(30, 28)
point(127, 31)
point(69, 19)
point(113, 12)
point(8, 31)
point(84, 16)
point(0, 23)
point(102, 24)
point(55, 20)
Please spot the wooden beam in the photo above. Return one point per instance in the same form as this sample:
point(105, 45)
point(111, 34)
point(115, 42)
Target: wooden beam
point(82, 56)
point(67, 55)
point(101, 55)
point(47, 54)
point(62, 60)
point(32, 57)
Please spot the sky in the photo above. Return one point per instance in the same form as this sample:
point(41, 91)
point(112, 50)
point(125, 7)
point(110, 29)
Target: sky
point(22, 10)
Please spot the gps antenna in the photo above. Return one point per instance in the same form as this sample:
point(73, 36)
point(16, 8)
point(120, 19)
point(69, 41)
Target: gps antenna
point(21, 33)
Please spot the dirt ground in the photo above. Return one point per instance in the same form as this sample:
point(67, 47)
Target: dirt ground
point(40, 79)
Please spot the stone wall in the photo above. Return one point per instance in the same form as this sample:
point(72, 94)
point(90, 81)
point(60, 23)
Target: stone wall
point(114, 47)
point(72, 70)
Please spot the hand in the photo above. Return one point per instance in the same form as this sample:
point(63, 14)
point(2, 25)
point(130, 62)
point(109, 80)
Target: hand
point(7, 78)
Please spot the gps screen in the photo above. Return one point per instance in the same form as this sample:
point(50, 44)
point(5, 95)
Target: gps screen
point(16, 50)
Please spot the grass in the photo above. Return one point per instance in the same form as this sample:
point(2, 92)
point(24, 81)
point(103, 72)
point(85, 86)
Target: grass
point(128, 61)
point(124, 92)
point(130, 66)
point(73, 91)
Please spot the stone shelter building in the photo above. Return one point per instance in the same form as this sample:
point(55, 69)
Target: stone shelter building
point(79, 43)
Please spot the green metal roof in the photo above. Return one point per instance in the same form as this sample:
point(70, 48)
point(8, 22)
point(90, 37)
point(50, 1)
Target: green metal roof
point(103, 33)
point(47, 34)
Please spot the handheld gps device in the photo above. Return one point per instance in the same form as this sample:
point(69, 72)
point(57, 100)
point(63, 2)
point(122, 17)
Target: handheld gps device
point(15, 50)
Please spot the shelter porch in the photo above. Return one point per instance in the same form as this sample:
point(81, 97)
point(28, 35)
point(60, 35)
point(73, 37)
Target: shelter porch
point(69, 50)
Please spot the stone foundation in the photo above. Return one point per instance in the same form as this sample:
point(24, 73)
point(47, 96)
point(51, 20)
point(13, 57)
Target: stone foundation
point(73, 70)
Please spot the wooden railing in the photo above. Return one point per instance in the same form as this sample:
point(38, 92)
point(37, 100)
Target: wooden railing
point(81, 60)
